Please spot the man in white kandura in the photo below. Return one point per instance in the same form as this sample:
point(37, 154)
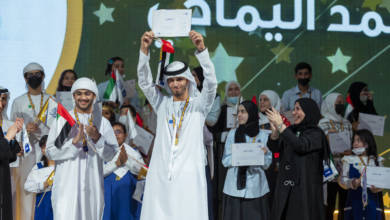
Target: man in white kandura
point(78, 182)
point(28, 106)
point(176, 181)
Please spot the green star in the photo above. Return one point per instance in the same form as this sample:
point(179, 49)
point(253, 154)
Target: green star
point(225, 65)
point(339, 61)
point(104, 14)
point(282, 52)
point(371, 4)
point(385, 4)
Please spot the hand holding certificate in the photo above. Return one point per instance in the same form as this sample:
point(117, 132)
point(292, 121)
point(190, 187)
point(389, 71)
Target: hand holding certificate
point(231, 117)
point(339, 142)
point(378, 177)
point(171, 23)
point(247, 154)
point(143, 140)
point(373, 123)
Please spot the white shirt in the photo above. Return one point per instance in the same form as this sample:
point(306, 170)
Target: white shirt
point(37, 178)
point(78, 185)
point(133, 164)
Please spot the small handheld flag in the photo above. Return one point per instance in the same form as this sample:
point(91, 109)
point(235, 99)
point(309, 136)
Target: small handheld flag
point(166, 57)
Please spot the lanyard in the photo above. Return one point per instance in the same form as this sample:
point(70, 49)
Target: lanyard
point(254, 139)
point(85, 146)
point(32, 104)
point(180, 122)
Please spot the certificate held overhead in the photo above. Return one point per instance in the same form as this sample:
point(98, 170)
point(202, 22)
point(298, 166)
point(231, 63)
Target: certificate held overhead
point(171, 23)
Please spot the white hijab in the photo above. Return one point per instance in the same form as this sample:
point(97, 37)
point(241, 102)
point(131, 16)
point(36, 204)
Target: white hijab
point(227, 86)
point(328, 110)
point(275, 103)
point(4, 112)
point(177, 65)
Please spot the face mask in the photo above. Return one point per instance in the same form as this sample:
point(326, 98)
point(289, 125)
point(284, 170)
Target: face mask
point(363, 98)
point(233, 100)
point(34, 81)
point(340, 109)
point(67, 88)
point(304, 82)
point(359, 151)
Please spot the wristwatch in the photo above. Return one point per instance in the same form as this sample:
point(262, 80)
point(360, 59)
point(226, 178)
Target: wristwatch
point(280, 126)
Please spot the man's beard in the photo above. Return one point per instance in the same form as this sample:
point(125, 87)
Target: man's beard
point(86, 108)
point(179, 93)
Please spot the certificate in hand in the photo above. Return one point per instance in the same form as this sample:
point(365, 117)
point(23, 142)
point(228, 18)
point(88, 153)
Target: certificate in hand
point(143, 140)
point(171, 23)
point(374, 123)
point(339, 142)
point(378, 177)
point(231, 117)
point(247, 154)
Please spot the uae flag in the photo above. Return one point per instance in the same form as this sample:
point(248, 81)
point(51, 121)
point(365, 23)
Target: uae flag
point(115, 90)
point(64, 124)
point(166, 57)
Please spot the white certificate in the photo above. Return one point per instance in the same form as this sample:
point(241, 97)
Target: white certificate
point(247, 154)
point(374, 123)
point(171, 23)
point(339, 142)
point(143, 140)
point(65, 98)
point(231, 117)
point(130, 88)
point(378, 177)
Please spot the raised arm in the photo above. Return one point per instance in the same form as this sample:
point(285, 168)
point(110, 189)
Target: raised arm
point(145, 78)
point(209, 90)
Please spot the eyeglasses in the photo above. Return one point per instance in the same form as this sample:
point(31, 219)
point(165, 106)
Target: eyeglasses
point(118, 132)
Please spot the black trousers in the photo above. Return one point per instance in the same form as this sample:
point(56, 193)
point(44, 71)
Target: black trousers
point(333, 189)
point(235, 208)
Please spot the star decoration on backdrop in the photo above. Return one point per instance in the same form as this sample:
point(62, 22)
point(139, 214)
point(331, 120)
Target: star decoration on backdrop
point(225, 65)
point(104, 14)
point(371, 4)
point(386, 200)
point(385, 4)
point(256, 32)
point(201, 29)
point(282, 56)
point(339, 61)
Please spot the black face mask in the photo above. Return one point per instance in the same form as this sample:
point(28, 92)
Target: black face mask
point(67, 88)
point(34, 81)
point(340, 109)
point(304, 82)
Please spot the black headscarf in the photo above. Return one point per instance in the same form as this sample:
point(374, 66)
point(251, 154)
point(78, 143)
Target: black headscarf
point(250, 128)
point(312, 114)
point(354, 93)
point(358, 106)
point(312, 117)
point(199, 73)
